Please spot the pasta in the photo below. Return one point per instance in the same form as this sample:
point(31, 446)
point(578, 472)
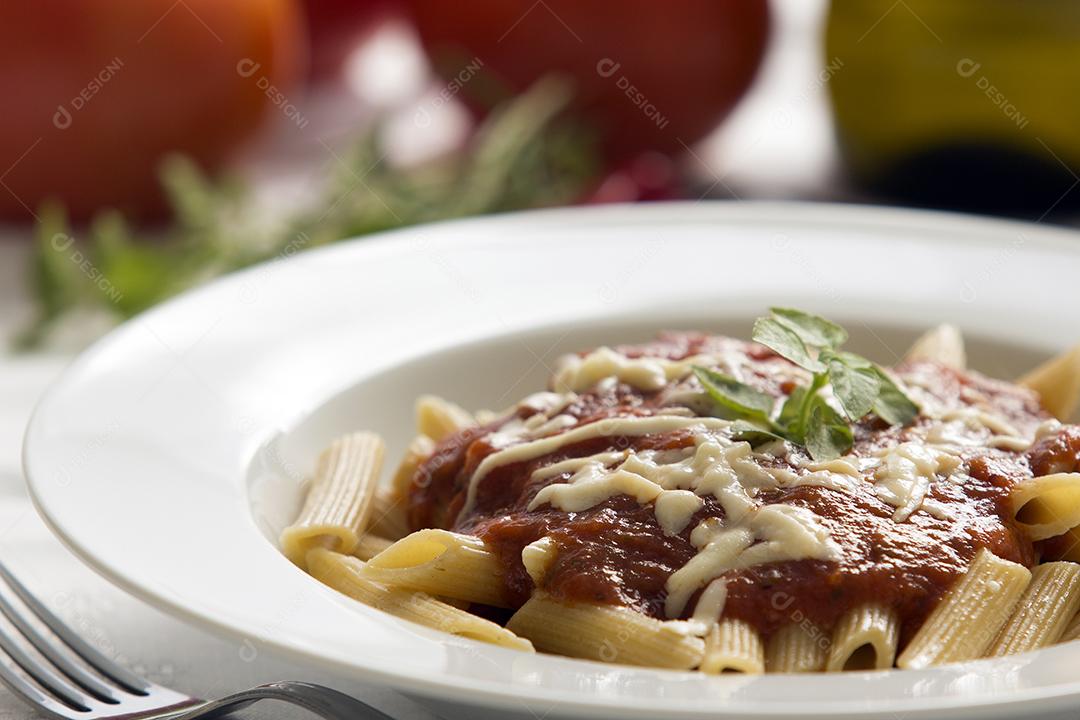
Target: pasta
point(606, 633)
point(795, 648)
point(388, 515)
point(1049, 505)
point(964, 624)
point(345, 574)
point(370, 545)
point(865, 638)
point(442, 563)
point(419, 450)
point(339, 502)
point(944, 344)
point(655, 510)
point(1048, 604)
point(1057, 381)
point(436, 418)
point(733, 646)
point(1072, 630)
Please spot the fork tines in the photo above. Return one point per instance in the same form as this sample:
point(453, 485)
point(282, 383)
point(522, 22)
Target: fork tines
point(46, 663)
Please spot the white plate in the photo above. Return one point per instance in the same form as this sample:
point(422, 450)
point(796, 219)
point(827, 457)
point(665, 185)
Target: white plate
point(170, 453)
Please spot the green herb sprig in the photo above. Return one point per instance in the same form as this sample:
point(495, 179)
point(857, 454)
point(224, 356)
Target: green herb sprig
point(526, 154)
point(806, 418)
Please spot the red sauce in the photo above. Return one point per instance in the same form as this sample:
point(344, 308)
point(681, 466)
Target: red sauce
point(616, 553)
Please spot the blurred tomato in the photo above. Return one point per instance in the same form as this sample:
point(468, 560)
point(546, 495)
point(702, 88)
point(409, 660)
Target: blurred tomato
point(337, 27)
point(97, 91)
point(649, 75)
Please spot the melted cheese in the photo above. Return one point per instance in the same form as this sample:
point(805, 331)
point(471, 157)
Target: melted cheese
point(577, 374)
point(591, 486)
point(710, 606)
point(977, 419)
point(906, 472)
point(771, 533)
point(610, 427)
point(674, 508)
point(537, 557)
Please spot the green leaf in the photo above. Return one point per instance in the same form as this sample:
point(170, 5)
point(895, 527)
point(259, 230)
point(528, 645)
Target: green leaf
point(526, 154)
point(828, 436)
point(856, 388)
point(791, 413)
point(892, 405)
point(746, 402)
point(814, 330)
point(785, 342)
point(855, 361)
point(753, 433)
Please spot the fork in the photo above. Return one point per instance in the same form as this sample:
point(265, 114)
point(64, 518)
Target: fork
point(67, 679)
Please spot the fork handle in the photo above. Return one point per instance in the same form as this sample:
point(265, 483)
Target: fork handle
point(322, 701)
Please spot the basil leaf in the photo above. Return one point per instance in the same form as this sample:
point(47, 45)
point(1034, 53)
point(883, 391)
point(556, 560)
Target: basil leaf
point(753, 433)
point(892, 405)
point(743, 400)
point(813, 329)
point(790, 417)
point(785, 342)
point(855, 361)
point(855, 388)
point(828, 436)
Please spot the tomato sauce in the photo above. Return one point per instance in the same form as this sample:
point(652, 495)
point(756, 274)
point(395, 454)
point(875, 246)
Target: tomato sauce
point(616, 553)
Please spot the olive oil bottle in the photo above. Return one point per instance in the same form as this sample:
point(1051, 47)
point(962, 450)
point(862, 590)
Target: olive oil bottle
point(973, 104)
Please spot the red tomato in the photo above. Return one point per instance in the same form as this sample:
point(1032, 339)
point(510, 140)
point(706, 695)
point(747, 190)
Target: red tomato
point(649, 75)
point(97, 91)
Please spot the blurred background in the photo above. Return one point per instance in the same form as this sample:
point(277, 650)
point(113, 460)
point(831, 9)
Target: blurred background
point(149, 146)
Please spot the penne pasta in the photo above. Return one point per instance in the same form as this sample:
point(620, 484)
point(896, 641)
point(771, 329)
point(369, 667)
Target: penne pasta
point(733, 646)
point(388, 515)
point(438, 418)
point(702, 475)
point(1057, 381)
point(370, 545)
point(864, 638)
point(796, 649)
point(1047, 506)
point(943, 344)
point(1072, 630)
point(966, 620)
point(339, 502)
point(1069, 548)
point(607, 633)
point(344, 573)
point(1047, 606)
point(441, 563)
point(419, 450)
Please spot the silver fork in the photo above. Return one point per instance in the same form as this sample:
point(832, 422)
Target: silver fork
point(67, 679)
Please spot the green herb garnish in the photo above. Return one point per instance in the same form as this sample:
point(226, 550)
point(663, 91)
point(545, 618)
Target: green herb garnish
point(526, 154)
point(805, 418)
